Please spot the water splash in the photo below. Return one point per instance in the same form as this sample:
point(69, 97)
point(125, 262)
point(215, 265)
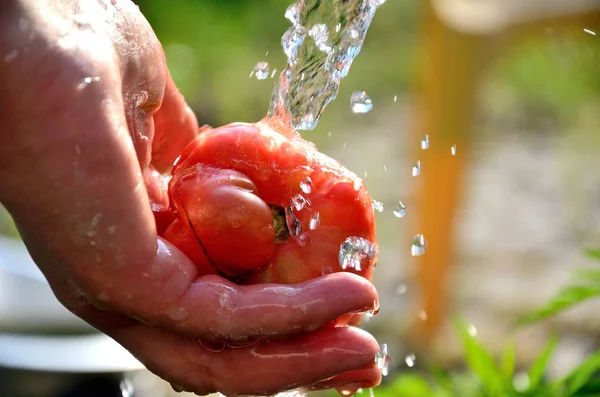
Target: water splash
point(589, 31)
point(399, 210)
point(410, 360)
point(425, 142)
point(453, 150)
point(378, 206)
point(382, 359)
point(353, 250)
point(321, 45)
point(417, 247)
point(360, 102)
point(261, 70)
point(306, 185)
point(315, 219)
point(416, 169)
point(299, 202)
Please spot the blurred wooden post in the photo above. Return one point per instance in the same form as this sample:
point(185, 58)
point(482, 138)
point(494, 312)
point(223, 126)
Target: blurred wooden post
point(458, 39)
point(451, 65)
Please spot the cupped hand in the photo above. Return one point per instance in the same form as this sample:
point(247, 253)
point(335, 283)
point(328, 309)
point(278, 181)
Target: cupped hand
point(88, 111)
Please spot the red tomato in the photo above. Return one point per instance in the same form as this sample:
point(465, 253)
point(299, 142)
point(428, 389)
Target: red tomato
point(264, 206)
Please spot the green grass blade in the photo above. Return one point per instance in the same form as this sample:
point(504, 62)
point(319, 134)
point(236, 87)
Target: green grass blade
point(593, 254)
point(538, 368)
point(566, 298)
point(508, 361)
point(581, 376)
point(480, 361)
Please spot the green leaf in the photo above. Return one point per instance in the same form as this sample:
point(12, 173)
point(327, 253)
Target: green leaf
point(590, 389)
point(508, 361)
point(579, 378)
point(566, 298)
point(538, 368)
point(593, 254)
point(480, 361)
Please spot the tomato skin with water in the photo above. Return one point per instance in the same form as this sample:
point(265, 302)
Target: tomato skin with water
point(258, 204)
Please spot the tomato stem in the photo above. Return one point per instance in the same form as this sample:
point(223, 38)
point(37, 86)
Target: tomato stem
point(282, 232)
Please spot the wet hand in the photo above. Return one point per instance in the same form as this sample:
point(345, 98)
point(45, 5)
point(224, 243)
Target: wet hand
point(88, 110)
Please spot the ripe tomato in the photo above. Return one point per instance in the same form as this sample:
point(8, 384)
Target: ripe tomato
point(258, 204)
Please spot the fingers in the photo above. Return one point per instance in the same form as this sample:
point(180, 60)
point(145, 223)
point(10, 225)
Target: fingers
point(265, 368)
point(167, 293)
point(175, 125)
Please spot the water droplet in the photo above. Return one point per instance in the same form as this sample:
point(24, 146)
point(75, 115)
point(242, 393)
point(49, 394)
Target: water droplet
point(423, 315)
point(320, 35)
point(385, 168)
point(417, 247)
point(326, 270)
point(273, 72)
point(293, 223)
point(360, 102)
point(345, 145)
point(126, 387)
point(371, 393)
point(589, 31)
point(373, 313)
point(354, 250)
point(307, 122)
point(395, 98)
point(299, 202)
point(382, 359)
point(401, 289)
point(346, 393)
point(416, 169)
point(329, 133)
point(306, 185)
point(315, 219)
point(290, 41)
point(366, 174)
point(425, 142)
point(292, 13)
point(87, 81)
point(378, 206)
point(410, 360)
point(453, 150)
point(357, 184)
point(261, 70)
point(399, 210)
point(471, 330)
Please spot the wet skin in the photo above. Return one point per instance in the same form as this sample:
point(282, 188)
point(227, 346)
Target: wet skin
point(75, 170)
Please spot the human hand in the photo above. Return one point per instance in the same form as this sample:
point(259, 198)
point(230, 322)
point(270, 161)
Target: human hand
point(88, 109)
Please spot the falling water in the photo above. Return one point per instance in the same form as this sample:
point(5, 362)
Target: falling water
point(323, 41)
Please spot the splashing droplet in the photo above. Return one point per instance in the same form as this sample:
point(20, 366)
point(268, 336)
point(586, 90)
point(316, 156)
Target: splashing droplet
point(299, 202)
point(320, 35)
point(395, 98)
point(425, 142)
point(416, 169)
point(453, 150)
point(378, 206)
point(354, 250)
point(417, 247)
point(589, 31)
point(273, 72)
point(315, 219)
point(292, 13)
point(306, 185)
point(399, 210)
point(410, 360)
point(261, 70)
point(360, 102)
point(382, 359)
point(291, 40)
point(385, 168)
